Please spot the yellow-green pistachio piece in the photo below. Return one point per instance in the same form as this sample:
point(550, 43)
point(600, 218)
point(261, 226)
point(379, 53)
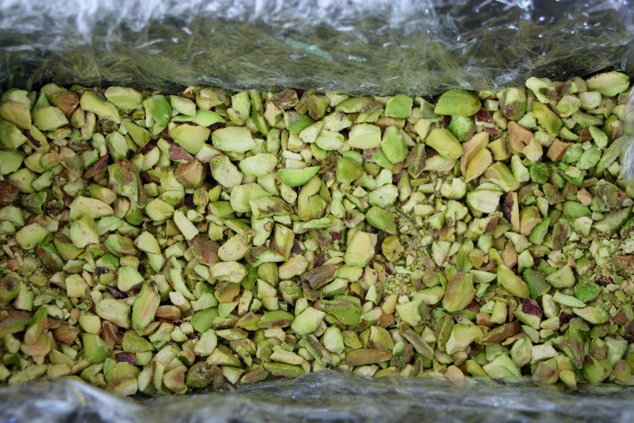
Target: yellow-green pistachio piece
point(381, 219)
point(513, 103)
point(49, 118)
point(297, 177)
point(364, 136)
point(158, 108)
point(364, 356)
point(443, 141)
point(459, 292)
point(399, 106)
point(457, 102)
point(478, 165)
point(547, 118)
point(225, 172)
point(90, 102)
point(384, 196)
point(393, 144)
point(242, 195)
point(307, 321)
point(230, 271)
point(90, 207)
point(512, 283)
point(186, 227)
point(345, 308)
point(124, 97)
point(11, 138)
point(191, 137)
point(114, 311)
point(543, 88)
point(608, 83)
point(17, 113)
point(484, 200)
point(30, 236)
point(329, 140)
point(259, 164)
point(145, 306)
point(462, 335)
point(360, 249)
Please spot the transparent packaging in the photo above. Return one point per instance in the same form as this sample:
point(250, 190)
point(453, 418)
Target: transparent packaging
point(416, 47)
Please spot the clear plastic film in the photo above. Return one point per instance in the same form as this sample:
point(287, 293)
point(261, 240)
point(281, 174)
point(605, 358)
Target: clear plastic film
point(325, 397)
point(357, 46)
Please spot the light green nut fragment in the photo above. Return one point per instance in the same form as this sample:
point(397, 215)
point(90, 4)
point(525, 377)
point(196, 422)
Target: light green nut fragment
point(206, 344)
point(609, 83)
point(462, 335)
point(457, 102)
point(307, 321)
point(443, 141)
point(140, 136)
point(562, 278)
point(591, 314)
point(297, 177)
point(90, 207)
point(242, 195)
point(364, 136)
point(484, 200)
point(30, 236)
point(114, 311)
point(187, 228)
point(190, 137)
point(95, 349)
point(345, 308)
point(384, 196)
point(543, 88)
point(182, 105)
point(158, 210)
point(145, 306)
point(459, 292)
point(230, 271)
point(348, 169)
point(512, 283)
point(399, 106)
point(329, 140)
point(17, 113)
point(547, 118)
point(259, 164)
point(502, 367)
point(124, 97)
point(393, 145)
point(159, 109)
point(76, 286)
point(49, 118)
point(381, 219)
point(225, 172)
point(128, 278)
point(360, 249)
point(90, 102)
point(10, 138)
point(236, 139)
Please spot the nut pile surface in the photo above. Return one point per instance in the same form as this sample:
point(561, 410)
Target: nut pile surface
point(162, 243)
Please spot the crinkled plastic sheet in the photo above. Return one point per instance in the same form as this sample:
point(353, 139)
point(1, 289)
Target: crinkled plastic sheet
point(419, 47)
point(324, 397)
point(360, 46)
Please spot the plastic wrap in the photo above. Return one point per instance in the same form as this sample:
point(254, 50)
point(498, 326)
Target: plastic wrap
point(419, 47)
point(325, 397)
point(361, 46)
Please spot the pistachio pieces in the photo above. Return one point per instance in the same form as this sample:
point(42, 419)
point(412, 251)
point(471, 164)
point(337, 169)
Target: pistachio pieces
point(160, 244)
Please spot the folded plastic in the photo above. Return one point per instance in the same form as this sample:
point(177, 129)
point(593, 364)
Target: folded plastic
point(418, 47)
point(324, 397)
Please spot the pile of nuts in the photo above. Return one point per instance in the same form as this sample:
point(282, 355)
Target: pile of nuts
point(162, 243)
